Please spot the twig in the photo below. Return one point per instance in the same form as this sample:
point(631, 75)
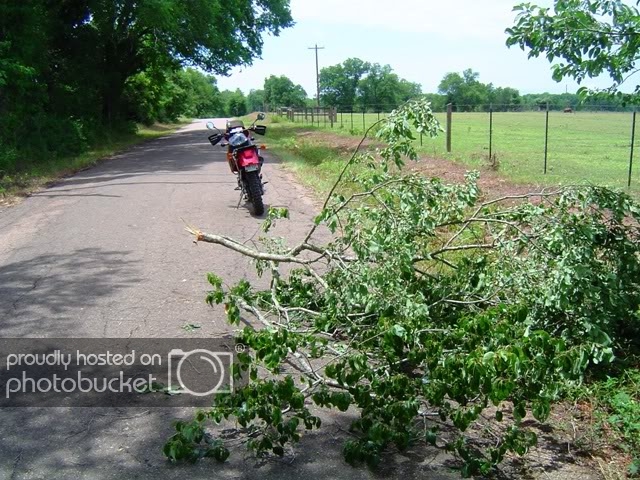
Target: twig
point(478, 246)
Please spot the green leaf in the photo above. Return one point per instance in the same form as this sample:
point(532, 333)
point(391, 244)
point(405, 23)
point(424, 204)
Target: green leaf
point(488, 357)
point(399, 331)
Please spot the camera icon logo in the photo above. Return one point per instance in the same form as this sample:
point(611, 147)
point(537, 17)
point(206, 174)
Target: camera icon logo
point(200, 372)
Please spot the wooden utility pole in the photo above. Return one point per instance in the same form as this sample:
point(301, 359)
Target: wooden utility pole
point(316, 48)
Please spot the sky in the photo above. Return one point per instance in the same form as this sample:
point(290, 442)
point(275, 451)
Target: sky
point(422, 40)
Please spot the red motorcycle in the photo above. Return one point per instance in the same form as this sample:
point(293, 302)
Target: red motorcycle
point(244, 158)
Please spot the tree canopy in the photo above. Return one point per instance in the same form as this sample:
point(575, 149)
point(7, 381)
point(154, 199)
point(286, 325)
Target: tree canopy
point(282, 92)
point(583, 39)
point(359, 84)
point(339, 83)
point(255, 101)
point(78, 65)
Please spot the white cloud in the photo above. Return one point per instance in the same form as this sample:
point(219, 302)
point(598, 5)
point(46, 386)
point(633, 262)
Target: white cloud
point(452, 18)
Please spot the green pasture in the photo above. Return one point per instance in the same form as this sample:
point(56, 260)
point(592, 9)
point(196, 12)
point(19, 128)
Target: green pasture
point(582, 147)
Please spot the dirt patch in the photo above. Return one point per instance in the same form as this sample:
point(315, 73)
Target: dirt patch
point(492, 184)
point(344, 145)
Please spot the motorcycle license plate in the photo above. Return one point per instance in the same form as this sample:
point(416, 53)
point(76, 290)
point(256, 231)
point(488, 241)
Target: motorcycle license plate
point(251, 168)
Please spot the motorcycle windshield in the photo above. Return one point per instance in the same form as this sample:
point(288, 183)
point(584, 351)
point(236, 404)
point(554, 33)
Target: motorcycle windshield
point(237, 139)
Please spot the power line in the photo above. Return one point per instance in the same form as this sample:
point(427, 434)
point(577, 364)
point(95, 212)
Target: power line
point(316, 48)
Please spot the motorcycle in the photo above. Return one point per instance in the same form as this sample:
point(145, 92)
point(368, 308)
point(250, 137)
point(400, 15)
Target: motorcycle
point(244, 158)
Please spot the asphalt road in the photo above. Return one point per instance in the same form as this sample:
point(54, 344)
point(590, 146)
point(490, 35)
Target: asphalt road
point(105, 254)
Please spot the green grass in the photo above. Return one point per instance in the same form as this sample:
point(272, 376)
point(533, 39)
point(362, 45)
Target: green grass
point(615, 402)
point(38, 172)
point(316, 165)
point(582, 147)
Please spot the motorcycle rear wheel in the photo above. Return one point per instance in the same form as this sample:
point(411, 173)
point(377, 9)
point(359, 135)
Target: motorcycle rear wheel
point(255, 192)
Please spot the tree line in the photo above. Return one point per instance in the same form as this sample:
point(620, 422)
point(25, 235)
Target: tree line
point(72, 71)
point(359, 85)
point(468, 94)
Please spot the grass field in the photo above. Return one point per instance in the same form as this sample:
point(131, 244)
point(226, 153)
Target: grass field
point(582, 147)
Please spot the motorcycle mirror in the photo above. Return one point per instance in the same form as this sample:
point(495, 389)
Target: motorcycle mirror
point(211, 126)
point(261, 116)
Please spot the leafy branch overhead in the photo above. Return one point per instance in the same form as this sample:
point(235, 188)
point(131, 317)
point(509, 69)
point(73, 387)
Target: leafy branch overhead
point(584, 39)
point(426, 309)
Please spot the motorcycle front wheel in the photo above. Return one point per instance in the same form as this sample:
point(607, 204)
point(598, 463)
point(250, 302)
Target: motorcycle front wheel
point(254, 190)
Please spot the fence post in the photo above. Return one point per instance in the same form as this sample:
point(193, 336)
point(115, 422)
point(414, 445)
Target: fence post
point(331, 117)
point(364, 108)
point(351, 117)
point(421, 135)
point(341, 118)
point(449, 115)
point(490, 132)
point(633, 140)
point(546, 138)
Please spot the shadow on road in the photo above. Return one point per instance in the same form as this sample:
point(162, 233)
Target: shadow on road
point(183, 152)
point(36, 294)
point(100, 443)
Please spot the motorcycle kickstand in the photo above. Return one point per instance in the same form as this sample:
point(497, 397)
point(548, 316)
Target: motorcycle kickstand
point(240, 201)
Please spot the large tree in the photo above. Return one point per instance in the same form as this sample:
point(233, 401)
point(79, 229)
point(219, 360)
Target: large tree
point(583, 39)
point(505, 98)
point(236, 104)
point(96, 46)
point(69, 68)
point(212, 34)
point(339, 83)
point(408, 90)
point(379, 89)
point(255, 100)
point(369, 86)
point(464, 91)
point(282, 92)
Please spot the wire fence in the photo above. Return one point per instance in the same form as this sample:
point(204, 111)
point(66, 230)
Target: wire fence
point(534, 144)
